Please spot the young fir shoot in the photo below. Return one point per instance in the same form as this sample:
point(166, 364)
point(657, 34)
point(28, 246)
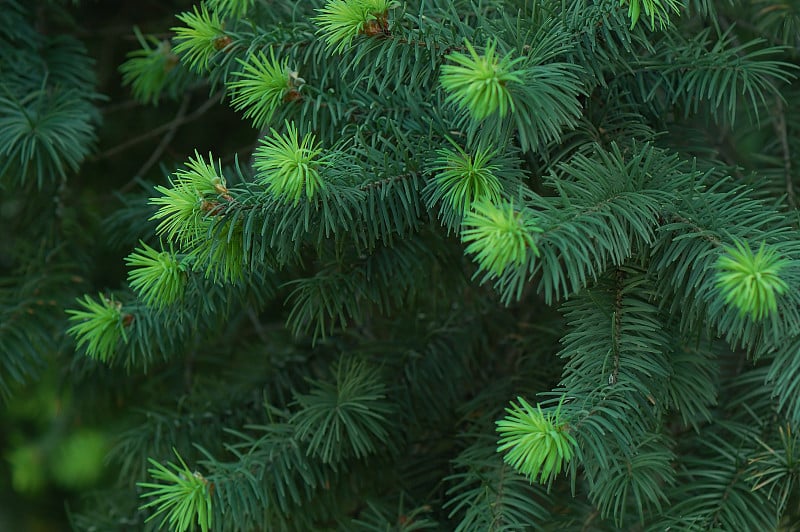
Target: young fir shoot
point(479, 84)
point(536, 444)
point(182, 496)
point(147, 69)
point(231, 8)
point(159, 277)
point(262, 85)
point(288, 166)
point(221, 257)
point(341, 20)
point(654, 9)
point(200, 40)
point(99, 325)
point(194, 194)
point(498, 236)
point(461, 178)
point(751, 281)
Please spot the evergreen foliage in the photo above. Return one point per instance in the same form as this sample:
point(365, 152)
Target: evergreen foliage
point(486, 265)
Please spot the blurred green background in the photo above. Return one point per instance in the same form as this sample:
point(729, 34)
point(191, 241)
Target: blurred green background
point(53, 435)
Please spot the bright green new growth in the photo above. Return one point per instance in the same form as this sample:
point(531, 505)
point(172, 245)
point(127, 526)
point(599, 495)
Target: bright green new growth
point(751, 281)
point(221, 259)
point(654, 9)
point(341, 365)
point(480, 83)
point(99, 326)
point(192, 196)
point(201, 38)
point(158, 277)
point(498, 236)
point(341, 20)
point(289, 166)
point(182, 496)
point(188, 209)
point(461, 178)
point(261, 87)
point(231, 8)
point(535, 444)
point(146, 69)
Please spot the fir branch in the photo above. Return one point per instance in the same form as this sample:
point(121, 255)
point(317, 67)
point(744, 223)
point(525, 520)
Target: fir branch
point(460, 180)
point(724, 72)
point(777, 468)
point(486, 495)
point(44, 134)
point(616, 323)
point(336, 367)
point(347, 417)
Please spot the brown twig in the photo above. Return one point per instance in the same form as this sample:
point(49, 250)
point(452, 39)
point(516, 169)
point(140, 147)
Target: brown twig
point(617, 326)
point(174, 123)
point(257, 326)
point(120, 106)
point(177, 121)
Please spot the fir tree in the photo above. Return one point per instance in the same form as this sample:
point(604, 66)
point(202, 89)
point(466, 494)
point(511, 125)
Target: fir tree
point(494, 265)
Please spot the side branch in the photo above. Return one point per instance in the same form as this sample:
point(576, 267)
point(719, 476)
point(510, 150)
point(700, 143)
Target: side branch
point(780, 130)
point(616, 324)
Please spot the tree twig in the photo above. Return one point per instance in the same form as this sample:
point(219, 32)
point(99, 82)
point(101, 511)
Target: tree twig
point(780, 130)
point(194, 115)
point(177, 121)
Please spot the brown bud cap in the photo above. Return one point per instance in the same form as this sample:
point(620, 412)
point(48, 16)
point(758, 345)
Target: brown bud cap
point(373, 28)
point(292, 96)
point(213, 208)
point(222, 42)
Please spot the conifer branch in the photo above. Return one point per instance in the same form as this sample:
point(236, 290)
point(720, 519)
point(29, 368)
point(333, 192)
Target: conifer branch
point(616, 326)
point(474, 247)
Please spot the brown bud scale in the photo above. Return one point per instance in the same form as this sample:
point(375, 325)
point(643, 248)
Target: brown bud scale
point(222, 42)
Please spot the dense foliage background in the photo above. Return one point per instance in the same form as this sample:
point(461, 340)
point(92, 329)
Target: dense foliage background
point(58, 239)
point(307, 264)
